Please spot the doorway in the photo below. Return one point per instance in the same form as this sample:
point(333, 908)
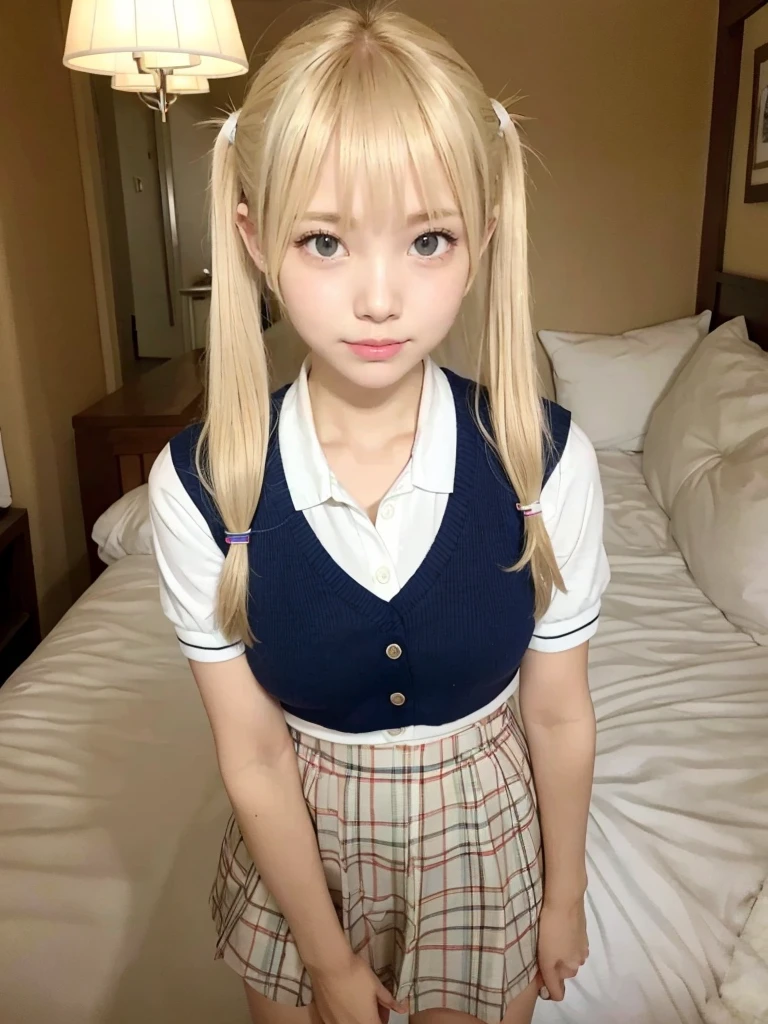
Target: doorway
point(155, 180)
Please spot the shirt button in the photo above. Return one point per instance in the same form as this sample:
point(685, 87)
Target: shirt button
point(394, 651)
point(387, 511)
point(395, 732)
point(398, 699)
point(382, 575)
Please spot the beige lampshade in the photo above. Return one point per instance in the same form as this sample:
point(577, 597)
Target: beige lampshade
point(193, 37)
point(186, 84)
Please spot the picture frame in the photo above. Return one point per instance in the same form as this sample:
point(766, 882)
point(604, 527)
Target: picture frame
point(756, 186)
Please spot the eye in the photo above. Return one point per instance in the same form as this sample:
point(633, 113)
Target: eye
point(428, 244)
point(325, 246)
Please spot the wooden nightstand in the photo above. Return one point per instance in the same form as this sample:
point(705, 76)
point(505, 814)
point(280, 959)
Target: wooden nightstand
point(19, 617)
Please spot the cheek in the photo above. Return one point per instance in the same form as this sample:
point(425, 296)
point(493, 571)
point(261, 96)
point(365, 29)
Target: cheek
point(312, 297)
point(438, 294)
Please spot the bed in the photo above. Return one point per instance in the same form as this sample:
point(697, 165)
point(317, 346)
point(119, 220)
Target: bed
point(111, 809)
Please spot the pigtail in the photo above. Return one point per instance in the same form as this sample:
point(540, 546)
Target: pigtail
point(520, 432)
point(231, 456)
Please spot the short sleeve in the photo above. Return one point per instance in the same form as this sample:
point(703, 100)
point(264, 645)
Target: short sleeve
point(190, 563)
point(572, 506)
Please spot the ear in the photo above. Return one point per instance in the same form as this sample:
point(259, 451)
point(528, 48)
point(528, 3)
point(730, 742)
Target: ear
point(248, 235)
point(490, 229)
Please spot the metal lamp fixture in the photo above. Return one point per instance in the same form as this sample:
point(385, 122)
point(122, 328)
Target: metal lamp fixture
point(159, 39)
point(146, 89)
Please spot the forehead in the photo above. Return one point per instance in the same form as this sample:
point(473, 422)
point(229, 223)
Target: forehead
point(355, 194)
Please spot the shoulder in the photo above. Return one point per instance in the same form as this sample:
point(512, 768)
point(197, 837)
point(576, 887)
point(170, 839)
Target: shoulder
point(175, 486)
point(576, 474)
point(558, 419)
point(182, 448)
point(557, 429)
point(167, 487)
point(579, 457)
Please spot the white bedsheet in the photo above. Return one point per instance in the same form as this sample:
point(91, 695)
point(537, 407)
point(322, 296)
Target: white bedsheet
point(111, 813)
point(111, 810)
point(678, 832)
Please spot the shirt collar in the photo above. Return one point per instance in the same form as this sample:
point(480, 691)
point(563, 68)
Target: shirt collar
point(432, 465)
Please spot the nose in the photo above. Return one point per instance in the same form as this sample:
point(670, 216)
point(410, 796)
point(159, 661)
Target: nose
point(378, 290)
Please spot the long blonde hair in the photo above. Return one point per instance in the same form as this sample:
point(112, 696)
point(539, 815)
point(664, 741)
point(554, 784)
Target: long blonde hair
point(393, 94)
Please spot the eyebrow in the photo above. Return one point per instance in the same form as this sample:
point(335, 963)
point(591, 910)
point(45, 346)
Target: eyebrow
point(415, 218)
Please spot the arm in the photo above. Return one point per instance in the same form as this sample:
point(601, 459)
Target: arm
point(559, 722)
point(259, 768)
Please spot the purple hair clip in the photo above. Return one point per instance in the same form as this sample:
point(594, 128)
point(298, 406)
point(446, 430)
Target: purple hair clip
point(237, 538)
point(534, 509)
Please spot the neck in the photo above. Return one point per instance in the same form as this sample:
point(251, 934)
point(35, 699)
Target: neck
point(342, 410)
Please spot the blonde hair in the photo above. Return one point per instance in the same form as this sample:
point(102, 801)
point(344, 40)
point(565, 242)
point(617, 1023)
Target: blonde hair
point(392, 94)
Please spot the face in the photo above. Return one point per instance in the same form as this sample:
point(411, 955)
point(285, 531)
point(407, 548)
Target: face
point(372, 301)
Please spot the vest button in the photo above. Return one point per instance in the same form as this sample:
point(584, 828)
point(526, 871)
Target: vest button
point(395, 732)
point(398, 699)
point(394, 651)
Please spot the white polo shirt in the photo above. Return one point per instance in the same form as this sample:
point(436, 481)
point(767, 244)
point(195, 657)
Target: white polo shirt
point(381, 556)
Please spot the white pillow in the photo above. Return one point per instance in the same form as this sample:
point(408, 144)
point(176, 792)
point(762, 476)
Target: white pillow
point(125, 529)
point(611, 383)
point(706, 463)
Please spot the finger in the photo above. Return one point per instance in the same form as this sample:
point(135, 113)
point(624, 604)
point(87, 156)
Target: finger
point(387, 999)
point(553, 983)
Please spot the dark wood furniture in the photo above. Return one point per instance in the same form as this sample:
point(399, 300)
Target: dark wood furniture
point(19, 618)
point(118, 438)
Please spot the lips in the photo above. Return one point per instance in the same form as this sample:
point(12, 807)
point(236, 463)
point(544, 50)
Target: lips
point(377, 342)
point(376, 349)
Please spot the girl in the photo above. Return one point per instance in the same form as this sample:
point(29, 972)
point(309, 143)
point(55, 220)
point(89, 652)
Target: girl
point(362, 568)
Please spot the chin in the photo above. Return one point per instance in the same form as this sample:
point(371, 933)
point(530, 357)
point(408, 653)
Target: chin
point(379, 373)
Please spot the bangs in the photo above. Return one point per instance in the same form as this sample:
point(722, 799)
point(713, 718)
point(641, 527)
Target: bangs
point(381, 122)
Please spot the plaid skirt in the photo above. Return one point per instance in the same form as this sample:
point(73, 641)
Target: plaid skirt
point(432, 854)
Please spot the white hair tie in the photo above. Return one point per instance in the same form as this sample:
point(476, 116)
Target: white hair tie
point(503, 115)
point(534, 509)
point(229, 128)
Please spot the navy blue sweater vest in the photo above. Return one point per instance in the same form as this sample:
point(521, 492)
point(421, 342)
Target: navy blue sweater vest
point(449, 642)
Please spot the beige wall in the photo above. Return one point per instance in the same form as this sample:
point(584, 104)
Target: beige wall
point(746, 236)
point(51, 363)
point(619, 93)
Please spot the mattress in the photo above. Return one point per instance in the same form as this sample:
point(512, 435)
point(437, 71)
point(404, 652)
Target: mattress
point(111, 809)
point(678, 830)
point(111, 813)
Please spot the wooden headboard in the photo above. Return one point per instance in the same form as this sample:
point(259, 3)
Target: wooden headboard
point(742, 296)
point(118, 438)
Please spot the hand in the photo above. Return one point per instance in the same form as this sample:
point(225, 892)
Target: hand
point(352, 994)
point(563, 946)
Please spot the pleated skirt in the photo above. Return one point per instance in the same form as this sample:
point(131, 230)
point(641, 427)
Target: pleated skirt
point(432, 855)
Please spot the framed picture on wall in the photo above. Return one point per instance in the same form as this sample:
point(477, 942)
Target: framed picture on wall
point(756, 190)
